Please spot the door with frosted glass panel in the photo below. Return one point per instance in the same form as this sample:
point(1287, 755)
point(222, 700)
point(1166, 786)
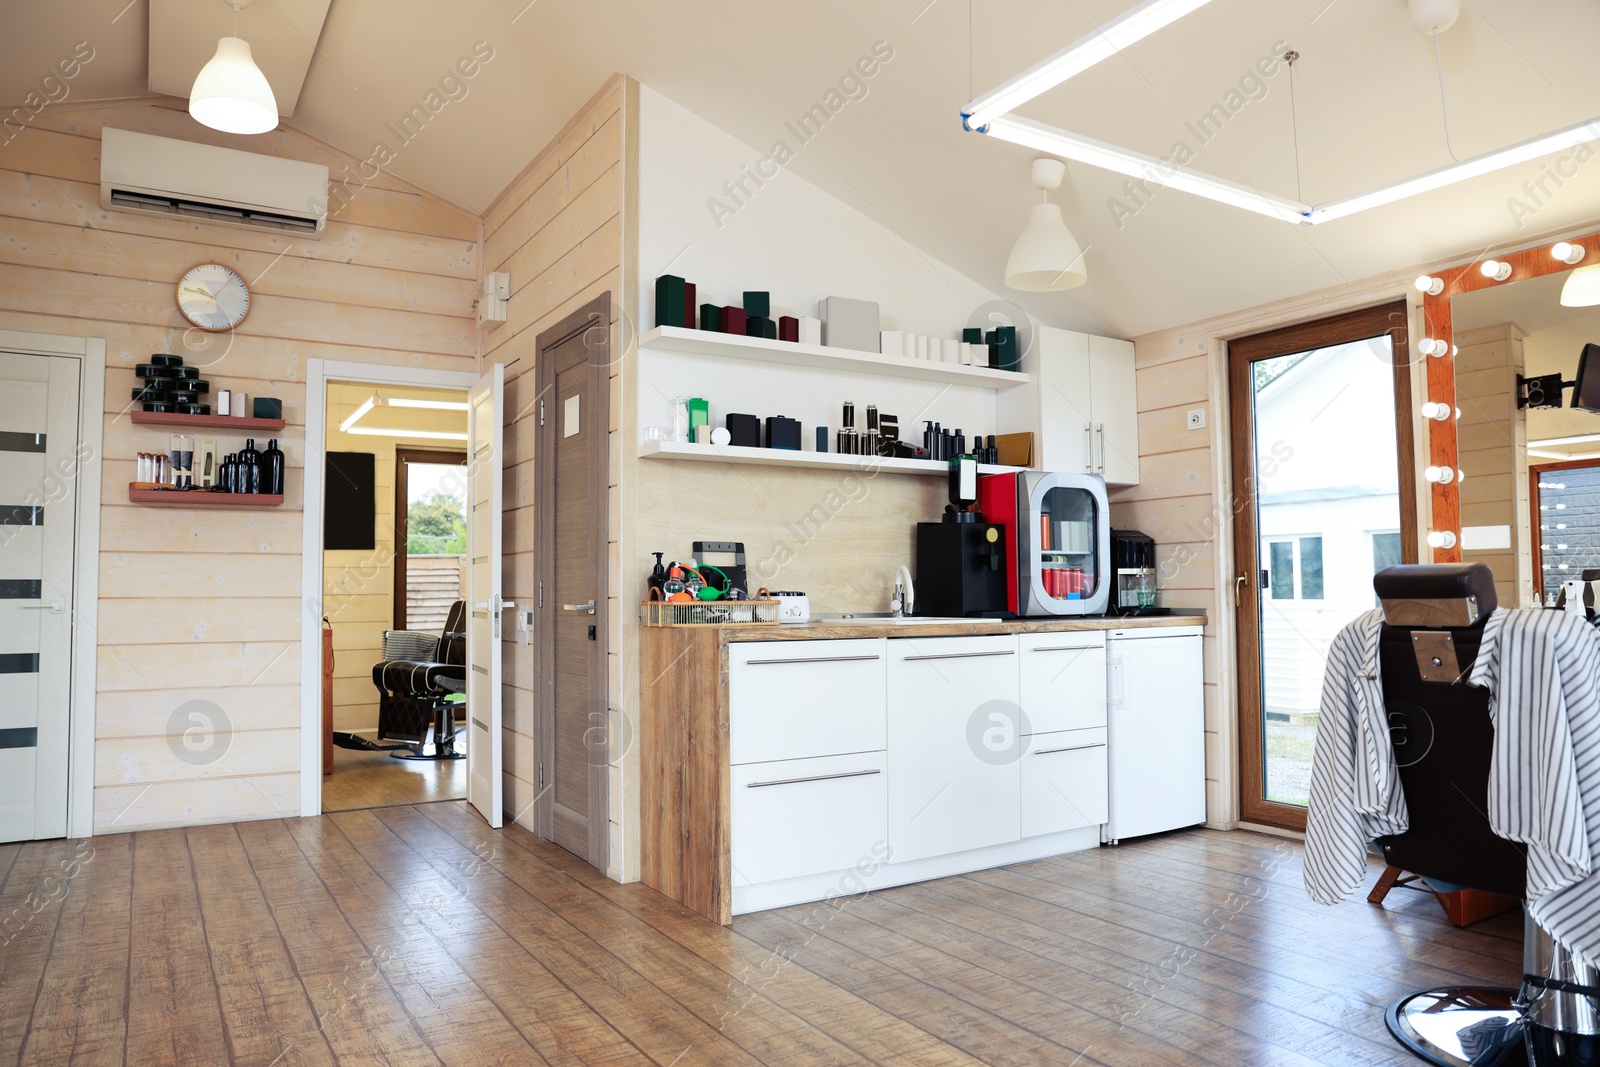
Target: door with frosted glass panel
point(38, 530)
point(1324, 497)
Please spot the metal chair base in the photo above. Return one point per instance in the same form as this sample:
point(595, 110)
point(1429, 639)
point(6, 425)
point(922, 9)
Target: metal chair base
point(1460, 1026)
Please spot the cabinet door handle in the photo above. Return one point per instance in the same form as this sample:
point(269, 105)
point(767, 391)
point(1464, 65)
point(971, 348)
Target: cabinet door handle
point(1064, 648)
point(963, 655)
point(1101, 431)
point(1088, 448)
point(813, 659)
point(1069, 748)
point(813, 778)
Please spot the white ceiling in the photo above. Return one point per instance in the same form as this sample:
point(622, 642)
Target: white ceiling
point(1365, 91)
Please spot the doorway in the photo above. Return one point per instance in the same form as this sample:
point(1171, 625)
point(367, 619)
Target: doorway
point(1323, 497)
point(51, 394)
point(1565, 522)
point(571, 508)
point(430, 536)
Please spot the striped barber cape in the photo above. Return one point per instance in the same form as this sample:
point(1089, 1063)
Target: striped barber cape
point(1542, 670)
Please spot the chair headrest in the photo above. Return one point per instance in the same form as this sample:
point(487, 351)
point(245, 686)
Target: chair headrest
point(1436, 594)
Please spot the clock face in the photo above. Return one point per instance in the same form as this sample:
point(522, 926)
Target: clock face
point(213, 297)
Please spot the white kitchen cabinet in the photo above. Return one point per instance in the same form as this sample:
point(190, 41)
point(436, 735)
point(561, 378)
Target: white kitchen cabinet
point(1063, 680)
point(796, 699)
point(1064, 779)
point(808, 816)
point(953, 742)
point(1156, 730)
point(1081, 405)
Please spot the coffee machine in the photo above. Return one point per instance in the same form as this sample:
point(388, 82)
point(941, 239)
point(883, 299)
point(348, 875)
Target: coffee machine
point(961, 561)
point(1133, 573)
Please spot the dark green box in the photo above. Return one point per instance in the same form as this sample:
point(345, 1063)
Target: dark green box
point(757, 305)
point(267, 407)
point(670, 297)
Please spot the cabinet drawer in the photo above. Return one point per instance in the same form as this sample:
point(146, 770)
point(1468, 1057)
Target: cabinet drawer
point(1064, 781)
point(808, 816)
point(796, 699)
point(1064, 681)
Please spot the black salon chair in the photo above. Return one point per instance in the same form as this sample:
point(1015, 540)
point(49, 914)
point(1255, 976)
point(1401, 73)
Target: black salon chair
point(419, 674)
point(1443, 738)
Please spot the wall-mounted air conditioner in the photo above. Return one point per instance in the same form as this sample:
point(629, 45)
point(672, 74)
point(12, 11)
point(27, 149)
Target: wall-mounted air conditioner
point(139, 172)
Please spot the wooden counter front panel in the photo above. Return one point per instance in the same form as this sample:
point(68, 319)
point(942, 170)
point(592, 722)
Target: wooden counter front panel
point(683, 757)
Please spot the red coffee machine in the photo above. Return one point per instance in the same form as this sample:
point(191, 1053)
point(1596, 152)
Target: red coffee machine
point(1057, 540)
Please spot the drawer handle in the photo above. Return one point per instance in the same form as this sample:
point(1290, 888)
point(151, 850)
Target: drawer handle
point(964, 655)
point(1069, 748)
point(813, 659)
point(1064, 648)
point(813, 778)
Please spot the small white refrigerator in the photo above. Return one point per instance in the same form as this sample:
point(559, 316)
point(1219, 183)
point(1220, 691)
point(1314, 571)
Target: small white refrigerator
point(1156, 742)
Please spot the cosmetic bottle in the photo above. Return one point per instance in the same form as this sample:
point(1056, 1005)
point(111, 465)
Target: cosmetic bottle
point(271, 464)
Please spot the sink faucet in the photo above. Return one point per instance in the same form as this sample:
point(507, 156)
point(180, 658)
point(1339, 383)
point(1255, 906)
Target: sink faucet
point(905, 596)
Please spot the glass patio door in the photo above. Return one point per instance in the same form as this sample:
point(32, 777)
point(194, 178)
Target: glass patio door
point(1323, 498)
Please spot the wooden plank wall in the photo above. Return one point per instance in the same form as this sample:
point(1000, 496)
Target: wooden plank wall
point(558, 230)
point(206, 605)
point(1493, 442)
point(358, 584)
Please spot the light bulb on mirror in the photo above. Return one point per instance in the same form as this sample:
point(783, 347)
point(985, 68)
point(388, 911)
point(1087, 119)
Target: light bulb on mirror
point(1441, 539)
point(1568, 253)
point(1427, 283)
point(1436, 411)
point(1495, 270)
point(1440, 475)
point(1429, 346)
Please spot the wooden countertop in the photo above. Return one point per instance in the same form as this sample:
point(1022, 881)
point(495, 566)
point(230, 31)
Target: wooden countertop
point(828, 630)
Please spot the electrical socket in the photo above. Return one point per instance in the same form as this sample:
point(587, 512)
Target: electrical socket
point(1197, 419)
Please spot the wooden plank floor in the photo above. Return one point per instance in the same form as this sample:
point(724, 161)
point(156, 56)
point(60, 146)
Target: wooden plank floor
point(416, 935)
point(378, 780)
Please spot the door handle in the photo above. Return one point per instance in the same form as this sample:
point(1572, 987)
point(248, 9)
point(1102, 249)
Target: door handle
point(1088, 448)
point(1100, 431)
point(962, 655)
point(54, 607)
point(586, 608)
point(1068, 748)
point(1238, 589)
point(811, 659)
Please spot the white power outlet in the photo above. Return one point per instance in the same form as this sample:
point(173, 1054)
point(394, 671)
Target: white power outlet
point(524, 627)
point(1197, 419)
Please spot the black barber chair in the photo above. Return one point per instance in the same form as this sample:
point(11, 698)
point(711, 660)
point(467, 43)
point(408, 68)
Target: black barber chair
point(414, 691)
point(1442, 739)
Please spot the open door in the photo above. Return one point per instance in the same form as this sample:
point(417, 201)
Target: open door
point(484, 786)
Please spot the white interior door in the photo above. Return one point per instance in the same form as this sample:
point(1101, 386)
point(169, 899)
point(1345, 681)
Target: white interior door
point(38, 526)
point(484, 438)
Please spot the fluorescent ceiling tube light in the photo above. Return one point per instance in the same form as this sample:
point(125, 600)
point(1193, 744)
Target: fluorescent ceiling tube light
point(355, 416)
point(1581, 439)
point(1487, 163)
point(432, 405)
point(400, 431)
point(1146, 168)
point(1100, 43)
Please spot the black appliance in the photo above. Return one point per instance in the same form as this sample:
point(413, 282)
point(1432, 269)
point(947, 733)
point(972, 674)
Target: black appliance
point(961, 561)
point(1133, 574)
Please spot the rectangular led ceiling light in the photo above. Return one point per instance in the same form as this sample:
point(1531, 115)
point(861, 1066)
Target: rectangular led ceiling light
point(991, 114)
point(351, 424)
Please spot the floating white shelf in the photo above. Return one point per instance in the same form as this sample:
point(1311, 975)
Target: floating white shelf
point(734, 346)
point(778, 457)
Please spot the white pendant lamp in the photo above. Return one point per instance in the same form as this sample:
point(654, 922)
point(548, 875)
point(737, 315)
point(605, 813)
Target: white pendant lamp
point(1046, 258)
point(1582, 287)
point(231, 94)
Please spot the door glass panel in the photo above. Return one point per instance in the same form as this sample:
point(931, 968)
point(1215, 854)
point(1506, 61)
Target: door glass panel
point(1569, 524)
point(1325, 478)
point(436, 543)
point(1067, 549)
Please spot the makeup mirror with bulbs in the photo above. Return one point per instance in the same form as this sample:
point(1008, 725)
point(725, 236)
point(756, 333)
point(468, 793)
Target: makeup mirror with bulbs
point(1497, 332)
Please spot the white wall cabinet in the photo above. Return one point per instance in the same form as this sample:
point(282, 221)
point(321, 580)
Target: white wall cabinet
point(953, 780)
point(1081, 404)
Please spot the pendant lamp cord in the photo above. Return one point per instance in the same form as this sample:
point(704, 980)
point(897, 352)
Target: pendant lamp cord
point(235, 19)
point(970, 47)
point(1444, 102)
point(1294, 121)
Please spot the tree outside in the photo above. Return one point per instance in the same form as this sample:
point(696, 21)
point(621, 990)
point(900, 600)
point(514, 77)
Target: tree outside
point(436, 525)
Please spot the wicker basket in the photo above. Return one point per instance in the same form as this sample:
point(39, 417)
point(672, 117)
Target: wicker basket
point(710, 613)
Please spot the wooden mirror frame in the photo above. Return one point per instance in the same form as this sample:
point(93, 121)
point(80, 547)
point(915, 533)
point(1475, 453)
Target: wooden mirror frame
point(1443, 451)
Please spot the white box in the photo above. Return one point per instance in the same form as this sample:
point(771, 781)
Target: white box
point(891, 342)
point(810, 330)
point(847, 323)
point(922, 347)
point(951, 350)
point(909, 350)
point(978, 355)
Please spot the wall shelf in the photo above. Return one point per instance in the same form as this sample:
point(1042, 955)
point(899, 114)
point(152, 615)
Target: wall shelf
point(227, 423)
point(778, 457)
point(765, 350)
point(200, 498)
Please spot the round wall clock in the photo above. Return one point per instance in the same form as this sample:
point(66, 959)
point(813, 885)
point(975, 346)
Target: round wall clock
point(213, 297)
